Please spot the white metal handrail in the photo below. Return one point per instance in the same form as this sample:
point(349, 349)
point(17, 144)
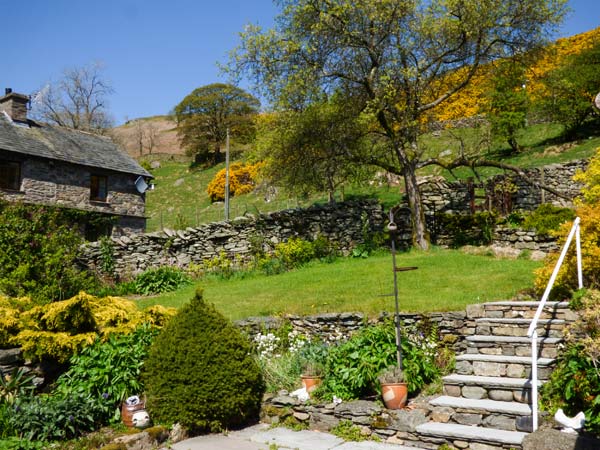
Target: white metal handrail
point(532, 332)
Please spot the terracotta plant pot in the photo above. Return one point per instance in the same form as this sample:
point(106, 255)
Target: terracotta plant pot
point(310, 383)
point(127, 412)
point(394, 395)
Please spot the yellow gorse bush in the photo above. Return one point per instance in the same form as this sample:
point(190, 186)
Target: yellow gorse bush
point(242, 180)
point(472, 100)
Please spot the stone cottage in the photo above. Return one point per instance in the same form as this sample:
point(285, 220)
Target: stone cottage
point(57, 166)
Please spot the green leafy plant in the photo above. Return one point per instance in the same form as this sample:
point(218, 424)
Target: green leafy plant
point(17, 384)
point(163, 279)
point(575, 383)
point(574, 386)
point(107, 256)
point(39, 248)
point(548, 218)
point(52, 418)
point(201, 373)
point(347, 431)
point(15, 443)
point(109, 370)
point(353, 367)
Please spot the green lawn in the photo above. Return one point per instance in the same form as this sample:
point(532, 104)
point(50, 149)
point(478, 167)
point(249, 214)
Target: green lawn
point(446, 280)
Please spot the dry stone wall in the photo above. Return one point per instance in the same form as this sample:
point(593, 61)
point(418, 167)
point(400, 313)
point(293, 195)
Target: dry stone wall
point(340, 223)
point(455, 197)
point(333, 327)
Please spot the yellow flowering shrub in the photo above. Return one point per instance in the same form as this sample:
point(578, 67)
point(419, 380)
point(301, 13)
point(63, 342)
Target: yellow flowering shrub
point(566, 281)
point(242, 179)
point(60, 329)
point(591, 179)
point(472, 99)
point(589, 212)
point(10, 311)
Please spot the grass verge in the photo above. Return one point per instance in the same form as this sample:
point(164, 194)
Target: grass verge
point(446, 280)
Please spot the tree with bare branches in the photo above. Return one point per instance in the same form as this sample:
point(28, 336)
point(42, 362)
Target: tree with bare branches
point(78, 100)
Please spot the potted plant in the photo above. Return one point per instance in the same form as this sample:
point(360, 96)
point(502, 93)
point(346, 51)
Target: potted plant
point(311, 376)
point(393, 388)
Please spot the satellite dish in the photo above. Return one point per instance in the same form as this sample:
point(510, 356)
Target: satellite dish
point(141, 185)
point(597, 101)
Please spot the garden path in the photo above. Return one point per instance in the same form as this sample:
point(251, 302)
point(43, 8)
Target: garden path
point(262, 437)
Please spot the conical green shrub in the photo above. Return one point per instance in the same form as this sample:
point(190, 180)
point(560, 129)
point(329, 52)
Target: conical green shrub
point(200, 372)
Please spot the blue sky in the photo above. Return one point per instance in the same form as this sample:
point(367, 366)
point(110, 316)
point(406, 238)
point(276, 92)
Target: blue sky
point(154, 52)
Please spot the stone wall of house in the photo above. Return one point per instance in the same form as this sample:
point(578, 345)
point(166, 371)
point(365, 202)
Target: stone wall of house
point(67, 185)
point(341, 224)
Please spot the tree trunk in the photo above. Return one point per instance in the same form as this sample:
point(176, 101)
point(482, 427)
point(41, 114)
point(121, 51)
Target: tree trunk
point(420, 236)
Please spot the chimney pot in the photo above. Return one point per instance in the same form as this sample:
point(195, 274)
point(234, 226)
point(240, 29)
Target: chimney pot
point(15, 105)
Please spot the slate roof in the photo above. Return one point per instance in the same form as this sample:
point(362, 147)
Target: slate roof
point(65, 144)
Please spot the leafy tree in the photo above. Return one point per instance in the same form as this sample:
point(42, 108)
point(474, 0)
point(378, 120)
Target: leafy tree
point(312, 150)
point(401, 58)
point(204, 116)
point(508, 103)
point(78, 100)
point(571, 88)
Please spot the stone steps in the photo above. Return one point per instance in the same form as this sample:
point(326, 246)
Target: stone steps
point(493, 388)
point(511, 345)
point(501, 366)
point(486, 402)
point(452, 433)
point(517, 327)
point(501, 415)
point(525, 310)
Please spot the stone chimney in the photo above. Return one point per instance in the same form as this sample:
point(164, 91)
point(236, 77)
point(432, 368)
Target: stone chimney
point(15, 105)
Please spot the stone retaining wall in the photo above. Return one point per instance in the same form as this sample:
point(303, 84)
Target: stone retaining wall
point(332, 327)
point(340, 223)
point(394, 426)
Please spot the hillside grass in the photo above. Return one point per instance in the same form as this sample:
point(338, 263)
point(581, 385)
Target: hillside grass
point(180, 199)
point(446, 280)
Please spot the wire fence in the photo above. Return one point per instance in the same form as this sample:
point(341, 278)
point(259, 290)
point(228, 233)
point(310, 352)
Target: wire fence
point(194, 216)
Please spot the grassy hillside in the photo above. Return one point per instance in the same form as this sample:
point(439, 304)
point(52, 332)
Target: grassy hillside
point(158, 136)
point(180, 199)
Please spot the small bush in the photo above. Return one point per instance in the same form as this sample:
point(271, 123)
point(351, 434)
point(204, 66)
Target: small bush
point(200, 372)
point(548, 218)
point(473, 229)
point(297, 252)
point(163, 279)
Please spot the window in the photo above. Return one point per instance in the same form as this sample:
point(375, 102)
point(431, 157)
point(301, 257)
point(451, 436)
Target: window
point(10, 175)
point(98, 191)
